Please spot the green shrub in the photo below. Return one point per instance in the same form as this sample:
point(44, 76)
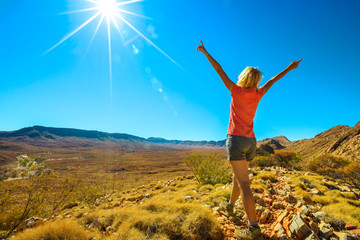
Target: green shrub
point(209, 168)
point(284, 158)
point(263, 161)
point(352, 173)
point(335, 167)
point(327, 161)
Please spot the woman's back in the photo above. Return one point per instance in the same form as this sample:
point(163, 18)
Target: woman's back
point(243, 107)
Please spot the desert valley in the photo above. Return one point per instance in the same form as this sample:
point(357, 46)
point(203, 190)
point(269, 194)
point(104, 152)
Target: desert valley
point(99, 185)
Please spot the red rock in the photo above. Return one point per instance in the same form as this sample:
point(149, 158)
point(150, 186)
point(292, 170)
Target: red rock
point(232, 228)
point(288, 232)
point(273, 224)
point(356, 231)
point(272, 235)
point(282, 216)
point(265, 215)
point(314, 227)
point(286, 222)
point(97, 224)
point(299, 227)
point(268, 201)
point(350, 226)
point(222, 213)
point(315, 191)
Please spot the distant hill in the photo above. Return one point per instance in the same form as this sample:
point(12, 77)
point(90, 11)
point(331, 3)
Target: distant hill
point(271, 144)
point(70, 138)
point(341, 140)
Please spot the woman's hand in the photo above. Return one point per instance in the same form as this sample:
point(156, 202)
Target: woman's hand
point(294, 64)
point(201, 48)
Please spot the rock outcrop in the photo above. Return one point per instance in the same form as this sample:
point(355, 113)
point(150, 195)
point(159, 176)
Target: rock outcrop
point(281, 215)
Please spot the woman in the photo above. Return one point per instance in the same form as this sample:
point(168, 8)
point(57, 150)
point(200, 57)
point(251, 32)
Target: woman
point(241, 141)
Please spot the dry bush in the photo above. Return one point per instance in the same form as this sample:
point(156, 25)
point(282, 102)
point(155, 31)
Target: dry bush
point(327, 161)
point(58, 230)
point(284, 158)
point(35, 196)
point(336, 167)
point(352, 173)
point(262, 161)
point(209, 168)
point(88, 192)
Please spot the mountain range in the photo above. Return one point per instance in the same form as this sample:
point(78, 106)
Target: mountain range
point(340, 140)
point(69, 137)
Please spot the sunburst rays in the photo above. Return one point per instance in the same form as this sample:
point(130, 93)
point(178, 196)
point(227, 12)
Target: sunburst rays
point(111, 12)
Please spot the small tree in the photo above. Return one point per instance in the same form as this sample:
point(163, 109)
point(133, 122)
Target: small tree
point(352, 173)
point(284, 158)
point(209, 168)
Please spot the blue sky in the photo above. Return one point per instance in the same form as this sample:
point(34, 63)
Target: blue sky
point(150, 96)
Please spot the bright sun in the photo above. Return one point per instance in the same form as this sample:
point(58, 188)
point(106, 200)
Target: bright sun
point(108, 8)
point(110, 12)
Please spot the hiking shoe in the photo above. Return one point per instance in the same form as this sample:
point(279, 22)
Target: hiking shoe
point(249, 233)
point(227, 207)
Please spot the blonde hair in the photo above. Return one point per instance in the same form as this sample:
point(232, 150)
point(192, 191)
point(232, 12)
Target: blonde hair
point(249, 78)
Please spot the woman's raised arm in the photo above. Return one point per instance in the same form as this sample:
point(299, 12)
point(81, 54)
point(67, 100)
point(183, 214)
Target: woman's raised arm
point(228, 83)
point(269, 83)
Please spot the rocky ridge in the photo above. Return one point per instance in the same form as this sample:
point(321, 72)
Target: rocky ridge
point(282, 215)
point(341, 141)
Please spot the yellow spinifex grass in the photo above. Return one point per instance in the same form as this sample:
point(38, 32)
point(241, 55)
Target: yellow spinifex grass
point(68, 230)
point(343, 205)
point(267, 176)
point(159, 219)
point(344, 210)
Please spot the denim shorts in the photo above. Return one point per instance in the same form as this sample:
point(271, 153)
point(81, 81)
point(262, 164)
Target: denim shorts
point(240, 148)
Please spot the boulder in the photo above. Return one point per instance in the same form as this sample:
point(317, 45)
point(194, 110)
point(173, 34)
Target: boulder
point(186, 198)
point(315, 191)
point(277, 205)
point(325, 230)
point(261, 202)
point(304, 210)
point(299, 228)
point(291, 199)
point(98, 225)
point(33, 222)
point(265, 216)
point(281, 192)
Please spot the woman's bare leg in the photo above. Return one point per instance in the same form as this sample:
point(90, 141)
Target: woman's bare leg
point(236, 190)
point(240, 169)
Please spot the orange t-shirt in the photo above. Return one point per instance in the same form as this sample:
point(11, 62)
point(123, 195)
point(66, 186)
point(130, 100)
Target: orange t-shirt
point(243, 106)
